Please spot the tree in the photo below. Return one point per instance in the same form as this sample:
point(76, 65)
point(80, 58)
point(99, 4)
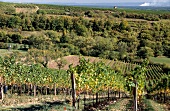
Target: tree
point(122, 48)
point(3, 20)
point(53, 36)
point(145, 52)
point(95, 25)
point(42, 22)
point(84, 44)
point(16, 38)
point(58, 24)
point(158, 49)
point(81, 29)
point(27, 24)
point(61, 62)
point(89, 13)
point(68, 24)
point(124, 25)
point(40, 42)
point(3, 37)
point(100, 46)
point(41, 56)
point(14, 22)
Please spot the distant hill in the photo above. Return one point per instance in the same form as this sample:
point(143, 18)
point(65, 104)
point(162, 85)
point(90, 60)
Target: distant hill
point(129, 5)
point(106, 4)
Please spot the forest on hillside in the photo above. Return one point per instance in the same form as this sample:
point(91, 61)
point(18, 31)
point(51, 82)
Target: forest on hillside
point(118, 34)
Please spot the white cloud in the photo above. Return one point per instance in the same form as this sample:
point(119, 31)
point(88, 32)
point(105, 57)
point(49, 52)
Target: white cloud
point(157, 3)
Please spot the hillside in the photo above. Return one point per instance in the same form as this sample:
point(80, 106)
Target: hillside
point(128, 34)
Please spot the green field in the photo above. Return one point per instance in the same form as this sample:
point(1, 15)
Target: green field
point(4, 52)
point(162, 60)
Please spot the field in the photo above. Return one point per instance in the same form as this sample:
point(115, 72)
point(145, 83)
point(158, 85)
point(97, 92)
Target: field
point(161, 60)
point(4, 52)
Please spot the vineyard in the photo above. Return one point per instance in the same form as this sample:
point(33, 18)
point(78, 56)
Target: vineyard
point(97, 81)
point(123, 61)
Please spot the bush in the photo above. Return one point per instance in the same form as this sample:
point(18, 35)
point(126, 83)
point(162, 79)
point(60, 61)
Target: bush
point(145, 52)
point(166, 68)
point(3, 45)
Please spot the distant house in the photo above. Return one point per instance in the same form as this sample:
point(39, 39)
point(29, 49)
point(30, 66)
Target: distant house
point(115, 7)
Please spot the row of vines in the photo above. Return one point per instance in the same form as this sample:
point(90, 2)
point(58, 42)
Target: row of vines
point(91, 78)
point(14, 74)
point(157, 82)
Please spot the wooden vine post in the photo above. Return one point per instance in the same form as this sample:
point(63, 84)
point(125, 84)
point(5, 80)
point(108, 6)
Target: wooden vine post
point(139, 82)
point(1, 92)
point(73, 90)
point(108, 96)
point(135, 96)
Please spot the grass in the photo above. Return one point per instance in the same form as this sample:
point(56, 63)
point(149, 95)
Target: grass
point(151, 105)
point(4, 52)
point(116, 105)
point(148, 106)
point(38, 103)
point(41, 103)
point(161, 60)
point(48, 106)
point(119, 105)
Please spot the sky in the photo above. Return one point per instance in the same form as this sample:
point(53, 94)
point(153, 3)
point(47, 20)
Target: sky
point(144, 2)
point(86, 1)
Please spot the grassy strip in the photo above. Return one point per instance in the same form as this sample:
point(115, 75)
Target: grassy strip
point(4, 52)
point(119, 105)
point(38, 103)
point(116, 105)
point(150, 105)
point(163, 60)
point(147, 105)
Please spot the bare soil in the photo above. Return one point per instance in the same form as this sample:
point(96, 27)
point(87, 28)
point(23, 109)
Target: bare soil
point(72, 59)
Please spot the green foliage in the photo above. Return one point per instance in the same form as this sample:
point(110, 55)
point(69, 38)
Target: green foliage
point(151, 15)
point(145, 52)
point(25, 6)
point(53, 36)
point(81, 30)
point(95, 77)
point(41, 56)
point(13, 72)
point(138, 77)
point(89, 13)
point(84, 30)
point(122, 48)
point(124, 25)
